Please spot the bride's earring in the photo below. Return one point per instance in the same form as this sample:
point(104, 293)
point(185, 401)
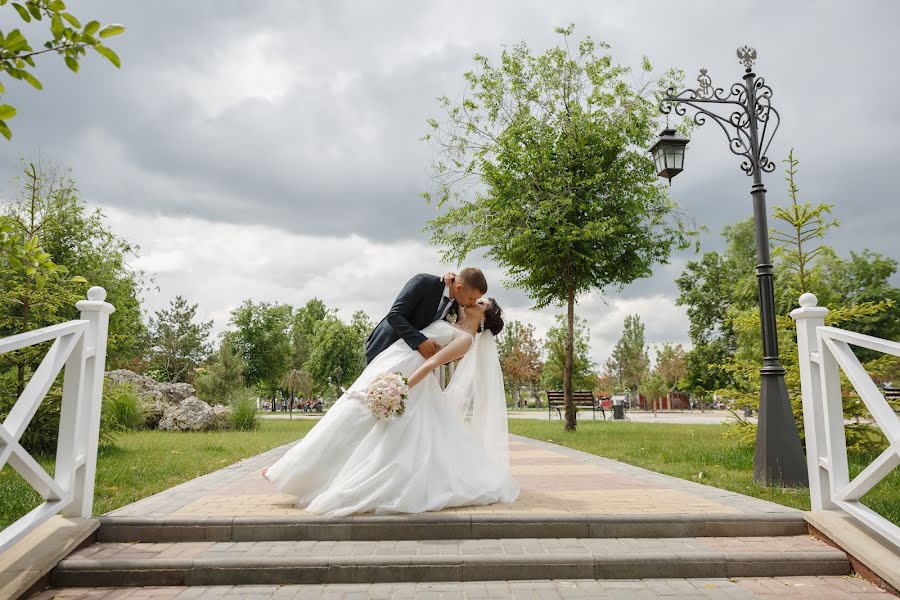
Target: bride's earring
point(482, 326)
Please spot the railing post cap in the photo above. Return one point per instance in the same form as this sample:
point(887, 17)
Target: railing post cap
point(807, 300)
point(96, 301)
point(96, 293)
point(809, 308)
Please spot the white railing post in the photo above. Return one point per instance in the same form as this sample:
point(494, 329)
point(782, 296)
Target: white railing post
point(86, 427)
point(809, 317)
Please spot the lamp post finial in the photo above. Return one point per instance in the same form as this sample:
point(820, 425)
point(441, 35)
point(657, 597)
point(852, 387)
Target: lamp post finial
point(747, 56)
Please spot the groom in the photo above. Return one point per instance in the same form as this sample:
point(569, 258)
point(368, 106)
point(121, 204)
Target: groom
point(423, 300)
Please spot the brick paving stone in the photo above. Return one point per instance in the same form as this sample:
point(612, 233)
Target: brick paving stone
point(554, 480)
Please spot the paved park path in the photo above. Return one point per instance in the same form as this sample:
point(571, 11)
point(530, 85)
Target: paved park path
point(560, 488)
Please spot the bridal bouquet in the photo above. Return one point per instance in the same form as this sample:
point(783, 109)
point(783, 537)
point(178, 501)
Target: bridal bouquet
point(387, 395)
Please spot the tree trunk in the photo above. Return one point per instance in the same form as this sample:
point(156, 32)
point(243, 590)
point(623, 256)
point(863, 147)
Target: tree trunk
point(570, 363)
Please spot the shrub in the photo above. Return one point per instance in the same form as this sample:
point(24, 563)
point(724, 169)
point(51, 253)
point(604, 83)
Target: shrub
point(243, 411)
point(122, 407)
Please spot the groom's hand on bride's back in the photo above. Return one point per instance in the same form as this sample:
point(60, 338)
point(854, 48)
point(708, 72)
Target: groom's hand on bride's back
point(428, 348)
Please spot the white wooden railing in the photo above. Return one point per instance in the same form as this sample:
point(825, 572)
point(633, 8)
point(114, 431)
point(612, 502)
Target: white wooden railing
point(824, 351)
point(80, 347)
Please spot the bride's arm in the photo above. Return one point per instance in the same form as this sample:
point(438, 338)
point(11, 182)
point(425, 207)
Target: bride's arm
point(457, 348)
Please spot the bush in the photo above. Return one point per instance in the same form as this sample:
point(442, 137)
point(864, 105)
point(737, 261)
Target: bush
point(243, 411)
point(41, 435)
point(122, 407)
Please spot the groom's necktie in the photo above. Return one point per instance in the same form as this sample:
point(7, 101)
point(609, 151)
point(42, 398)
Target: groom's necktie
point(445, 301)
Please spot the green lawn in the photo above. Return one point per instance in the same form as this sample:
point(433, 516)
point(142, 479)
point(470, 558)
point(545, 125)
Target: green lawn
point(695, 452)
point(147, 462)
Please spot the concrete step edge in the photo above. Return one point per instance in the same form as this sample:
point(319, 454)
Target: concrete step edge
point(149, 529)
point(475, 567)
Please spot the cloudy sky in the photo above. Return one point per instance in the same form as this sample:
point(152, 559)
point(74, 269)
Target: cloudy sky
point(269, 149)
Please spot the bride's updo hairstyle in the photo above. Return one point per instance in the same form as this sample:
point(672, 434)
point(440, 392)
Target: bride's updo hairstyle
point(493, 318)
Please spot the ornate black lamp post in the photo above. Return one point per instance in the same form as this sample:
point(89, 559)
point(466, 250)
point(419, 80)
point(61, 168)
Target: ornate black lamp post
point(749, 122)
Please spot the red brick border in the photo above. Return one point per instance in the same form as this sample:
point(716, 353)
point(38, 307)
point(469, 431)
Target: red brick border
point(858, 567)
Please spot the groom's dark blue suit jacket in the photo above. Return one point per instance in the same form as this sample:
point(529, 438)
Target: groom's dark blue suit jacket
point(414, 309)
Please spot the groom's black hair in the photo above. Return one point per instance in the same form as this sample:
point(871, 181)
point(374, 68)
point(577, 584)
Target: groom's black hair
point(493, 317)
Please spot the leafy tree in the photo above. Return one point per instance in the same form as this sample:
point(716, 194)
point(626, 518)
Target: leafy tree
point(337, 355)
point(569, 200)
point(262, 337)
point(224, 376)
point(362, 325)
point(31, 299)
point(80, 240)
point(629, 358)
point(671, 365)
point(853, 302)
point(553, 375)
point(178, 342)
point(68, 38)
point(653, 387)
point(297, 382)
point(303, 328)
point(520, 358)
point(705, 373)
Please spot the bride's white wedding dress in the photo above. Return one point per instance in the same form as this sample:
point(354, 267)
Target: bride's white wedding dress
point(430, 458)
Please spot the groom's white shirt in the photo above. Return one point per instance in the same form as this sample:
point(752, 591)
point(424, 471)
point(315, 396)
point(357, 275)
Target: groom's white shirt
point(446, 294)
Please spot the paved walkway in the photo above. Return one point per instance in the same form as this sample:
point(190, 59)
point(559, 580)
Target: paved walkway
point(695, 417)
point(554, 480)
point(801, 588)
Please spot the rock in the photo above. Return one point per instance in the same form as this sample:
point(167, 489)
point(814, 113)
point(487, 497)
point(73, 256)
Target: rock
point(156, 396)
point(191, 414)
point(223, 416)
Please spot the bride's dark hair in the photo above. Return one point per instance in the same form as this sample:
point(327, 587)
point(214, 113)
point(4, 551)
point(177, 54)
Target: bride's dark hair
point(493, 317)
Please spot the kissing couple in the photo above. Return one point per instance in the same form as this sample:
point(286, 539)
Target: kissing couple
point(449, 448)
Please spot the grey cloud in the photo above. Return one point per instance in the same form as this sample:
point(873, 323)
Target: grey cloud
point(325, 159)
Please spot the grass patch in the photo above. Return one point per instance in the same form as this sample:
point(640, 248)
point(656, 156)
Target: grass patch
point(146, 462)
point(698, 453)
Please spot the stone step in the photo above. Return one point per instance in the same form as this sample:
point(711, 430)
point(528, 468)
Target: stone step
point(755, 588)
point(442, 526)
point(320, 562)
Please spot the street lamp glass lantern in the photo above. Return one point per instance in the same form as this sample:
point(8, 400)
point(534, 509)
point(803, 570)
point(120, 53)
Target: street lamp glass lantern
point(668, 153)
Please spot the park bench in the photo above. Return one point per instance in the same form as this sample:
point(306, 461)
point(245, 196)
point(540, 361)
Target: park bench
point(582, 398)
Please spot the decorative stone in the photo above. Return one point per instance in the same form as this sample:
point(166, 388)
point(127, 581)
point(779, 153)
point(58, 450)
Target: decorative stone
point(223, 416)
point(155, 396)
point(191, 414)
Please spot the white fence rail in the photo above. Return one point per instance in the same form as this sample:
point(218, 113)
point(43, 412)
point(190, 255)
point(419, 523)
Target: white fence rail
point(824, 352)
point(80, 347)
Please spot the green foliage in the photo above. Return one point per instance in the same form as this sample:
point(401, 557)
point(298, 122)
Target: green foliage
point(178, 343)
point(629, 360)
point(122, 407)
point(68, 39)
point(262, 337)
point(584, 376)
point(243, 411)
point(48, 204)
point(520, 358)
point(806, 224)
point(569, 200)
point(303, 328)
point(653, 387)
point(337, 354)
point(671, 365)
point(857, 293)
point(224, 376)
point(298, 382)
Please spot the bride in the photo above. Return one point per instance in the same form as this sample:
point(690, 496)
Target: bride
point(429, 458)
